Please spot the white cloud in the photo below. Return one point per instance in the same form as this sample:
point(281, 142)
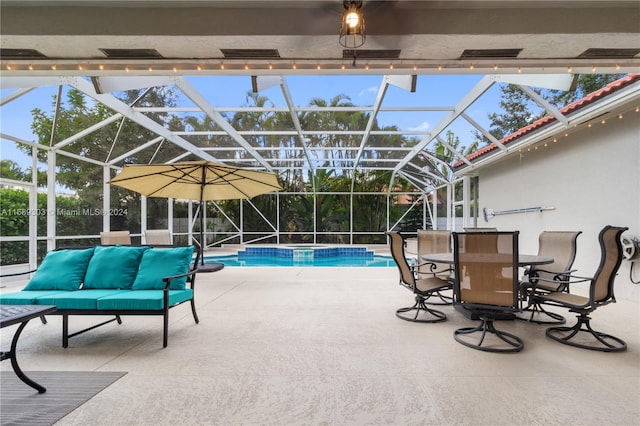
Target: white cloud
point(422, 127)
point(368, 90)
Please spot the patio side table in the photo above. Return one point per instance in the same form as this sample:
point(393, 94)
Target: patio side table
point(210, 267)
point(21, 314)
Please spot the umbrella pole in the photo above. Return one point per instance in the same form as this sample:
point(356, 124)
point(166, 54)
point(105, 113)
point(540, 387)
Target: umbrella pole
point(202, 242)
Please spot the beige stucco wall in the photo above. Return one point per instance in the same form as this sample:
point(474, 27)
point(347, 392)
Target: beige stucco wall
point(591, 177)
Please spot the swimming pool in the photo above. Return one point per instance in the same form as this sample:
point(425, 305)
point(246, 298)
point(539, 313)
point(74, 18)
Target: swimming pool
point(344, 261)
point(344, 256)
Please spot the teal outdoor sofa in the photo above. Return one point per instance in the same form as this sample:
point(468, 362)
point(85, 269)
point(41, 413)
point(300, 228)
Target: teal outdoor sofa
point(113, 281)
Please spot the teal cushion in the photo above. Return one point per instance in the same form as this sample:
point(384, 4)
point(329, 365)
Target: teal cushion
point(113, 267)
point(80, 299)
point(27, 297)
point(61, 270)
point(158, 263)
point(143, 299)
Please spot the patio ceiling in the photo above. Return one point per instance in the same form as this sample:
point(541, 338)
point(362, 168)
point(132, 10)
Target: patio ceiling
point(101, 48)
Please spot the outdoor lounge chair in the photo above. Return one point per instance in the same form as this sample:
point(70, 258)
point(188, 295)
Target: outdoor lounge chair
point(422, 287)
point(581, 334)
point(110, 238)
point(486, 286)
point(552, 277)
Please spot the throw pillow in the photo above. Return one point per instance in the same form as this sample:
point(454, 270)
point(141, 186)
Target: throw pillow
point(113, 267)
point(158, 263)
point(61, 270)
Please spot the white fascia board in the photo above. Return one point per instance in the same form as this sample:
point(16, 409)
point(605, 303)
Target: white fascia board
point(544, 81)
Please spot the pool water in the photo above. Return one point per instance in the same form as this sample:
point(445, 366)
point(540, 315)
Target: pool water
point(327, 261)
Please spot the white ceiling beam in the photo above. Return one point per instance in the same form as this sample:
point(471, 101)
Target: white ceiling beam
point(406, 82)
point(80, 157)
point(295, 132)
point(296, 121)
point(423, 170)
point(478, 90)
point(363, 108)
point(393, 159)
point(195, 96)
point(544, 81)
point(484, 131)
point(15, 95)
point(117, 105)
point(136, 150)
point(87, 131)
point(23, 141)
point(544, 104)
point(184, 155)
point(382, 90)
point(264, 82)
point(434, 158)
point(21, 82)
point(121, 84)
point(422, 185)
point(453, 150)
point(313, 148)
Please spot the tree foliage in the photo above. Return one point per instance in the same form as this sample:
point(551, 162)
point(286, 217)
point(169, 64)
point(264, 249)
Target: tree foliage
point(518, 110)
point(586, 83)
point(72, 218)
point(11, 170)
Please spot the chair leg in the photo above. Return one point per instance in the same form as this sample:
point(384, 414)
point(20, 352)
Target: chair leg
point(445, 300)
point(420, 305)
point(193, 311)
point(582, 328)
point(536, 313)
point(486, 327)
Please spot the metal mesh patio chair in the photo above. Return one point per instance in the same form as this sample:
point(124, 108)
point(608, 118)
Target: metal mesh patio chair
point(108, 238)
point(552, 277)
point(470, 229)
point(486, 286)
point(422, 287)
point(581, 334)
point(435, 241)
point(158, 237)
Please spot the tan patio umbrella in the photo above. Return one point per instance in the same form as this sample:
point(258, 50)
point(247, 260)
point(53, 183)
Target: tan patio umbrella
point(196, 180)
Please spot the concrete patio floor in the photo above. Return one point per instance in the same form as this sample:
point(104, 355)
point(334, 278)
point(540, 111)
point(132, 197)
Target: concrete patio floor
point(297, 346)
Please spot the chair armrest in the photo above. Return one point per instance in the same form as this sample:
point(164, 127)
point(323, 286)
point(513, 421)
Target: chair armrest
point(432, 268)
point(558, 275)
point(434, 273)
point(440, 272)
point(167, 280)
point(572, 279)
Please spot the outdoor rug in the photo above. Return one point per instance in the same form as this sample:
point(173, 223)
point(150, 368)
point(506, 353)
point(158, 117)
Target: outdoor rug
point(66, 391)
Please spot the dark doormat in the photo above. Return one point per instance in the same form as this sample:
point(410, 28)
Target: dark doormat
point(66, 391)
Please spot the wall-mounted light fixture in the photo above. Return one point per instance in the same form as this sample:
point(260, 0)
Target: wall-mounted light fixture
point(352, 30)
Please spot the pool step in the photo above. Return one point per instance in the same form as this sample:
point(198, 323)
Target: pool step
point(306, 253)
point(303, 254)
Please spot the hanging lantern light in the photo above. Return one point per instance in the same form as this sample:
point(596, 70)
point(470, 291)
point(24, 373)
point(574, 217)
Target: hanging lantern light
point(352, 30)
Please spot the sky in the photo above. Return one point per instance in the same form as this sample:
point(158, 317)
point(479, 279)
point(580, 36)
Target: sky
point(228, 91)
